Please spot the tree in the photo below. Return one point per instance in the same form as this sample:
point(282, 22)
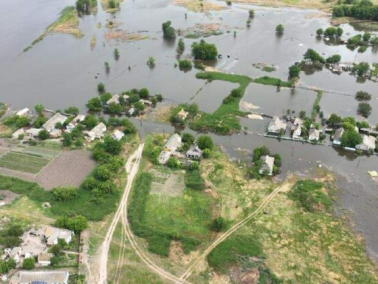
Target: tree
point(180, 46)
point(112, 146)
point(333, 59)
point(144, 93)
point(101, 88)
point(363, 96)
point(366, 37)
point(67, 140)
point(185, 64)
point(334, 120)
point(205, 142)
point(28, 263)
point(43, 135)
point(90, 121)
point(364, 109)
point(112, 4)
point(188, 138)
point(40, 120)
point(339, 32)
point(77, 224)
point(219, 224)
point(360, 69)
point(204, 51)
point(151, 62)
point(116, 54)
point(350, 138)
point(102, 173)
point(72, 110)
point(114, 108)
point(168, 31)
point(39, 109)
point(173, 163)
point(319, 32)
point(280, 29)
point(294, 71)
point(251, 13)
point(22, 121)
point(94, 104)
point(107, 67)
point(65, 193)
point(313, 56)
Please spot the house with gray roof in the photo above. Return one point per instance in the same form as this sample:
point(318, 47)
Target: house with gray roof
point(336, 140)
point(50, 124)
point(194, 153)
point(41, 277)
point(98, 132)
point(276, 126)
point(169, 147)
point(314, 134)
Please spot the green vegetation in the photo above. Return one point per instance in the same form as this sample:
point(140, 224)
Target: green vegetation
point(363, 10)
point(10, 235)
point(363, 96)
point(180, 46)
point(333, 59)
point(194, 180)
point(333, 32)
point(185, 64)
point(28, 263)
point(85, 7)
point(168, 31)
point(204, 51)
point(268, 69)
point(24, 162)
point(316, 107)
point(294, 71)
point(350, 138)
point(76, 224)
point(280, 29)
point(116, 54)
point(364, 109)
point(313, 56)
point(309, 195)
point(361, 69)
point(273, 82)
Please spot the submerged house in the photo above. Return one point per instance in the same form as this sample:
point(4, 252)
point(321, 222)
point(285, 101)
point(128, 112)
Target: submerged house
point(276, 126)
point(368, 143)
point(337, 136)
point(267, 165)
point(74, 122)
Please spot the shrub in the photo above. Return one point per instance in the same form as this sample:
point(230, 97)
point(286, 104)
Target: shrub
point(168, 31)
point(364, 109)
point(294, 71)
point(65, 193)
point(363, 96)
point(43, 135)
point(219, 224)
point(185, 64)
point(280, 29)
point(205, 142)
point(101, 88)
point(28, 263)
point(204, 51)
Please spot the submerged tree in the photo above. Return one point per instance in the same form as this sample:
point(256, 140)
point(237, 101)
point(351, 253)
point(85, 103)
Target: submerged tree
point(116, 54)
point(168, 31)
point(280, 29)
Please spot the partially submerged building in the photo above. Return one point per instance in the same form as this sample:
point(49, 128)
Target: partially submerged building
point(368, 143)
point(74, 122)
point(267, 165)
point(336, 139)
point(276, 126)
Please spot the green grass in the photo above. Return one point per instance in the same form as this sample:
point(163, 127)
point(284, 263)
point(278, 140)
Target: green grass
point(273, 82)
point(23, 162)
point(268, 69)
point(316, 106)
point(81, 205)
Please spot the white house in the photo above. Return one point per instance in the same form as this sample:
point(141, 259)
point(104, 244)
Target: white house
point(368, 143)
point(32, 133)
point(97, 132)
point(74, 122)
point(117, 135)
point(113, 100)
point(337, 136)
point(169, 147)
point(194, 152)
point(53, 234)
point(297, 131)
point(44, 259)
point(314, 134)
point(23, 112)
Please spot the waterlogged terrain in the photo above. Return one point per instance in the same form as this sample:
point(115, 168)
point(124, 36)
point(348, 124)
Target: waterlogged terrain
point(62, 71)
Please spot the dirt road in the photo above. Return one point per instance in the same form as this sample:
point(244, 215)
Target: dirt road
point(132, 166)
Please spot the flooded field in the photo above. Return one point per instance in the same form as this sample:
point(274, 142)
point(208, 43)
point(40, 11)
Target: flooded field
point(63, 71)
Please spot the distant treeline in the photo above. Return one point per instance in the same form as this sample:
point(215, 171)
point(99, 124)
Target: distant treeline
point(364, 9)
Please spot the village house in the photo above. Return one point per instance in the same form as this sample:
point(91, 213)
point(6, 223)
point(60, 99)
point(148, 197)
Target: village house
point(32, 133)
point(74, 122)
point(169, 147)
point(55, 133)
point(23, 112)
point(131, 111)
point(117, 135)
point(368, 143)
point(267, 165)
point(113, 100)
point(145, 102)
point(50, 124)
point(43, 277)
point(297, 131)
point(182, 114)
point(314, 134)
point(18, 132)
point(44, 259)
point(276, 126)
point(53, 234)
point(97, 132)
point(369, 131)
point(194, 153)
point(336, 140)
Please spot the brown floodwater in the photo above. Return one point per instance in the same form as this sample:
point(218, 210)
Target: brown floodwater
point(62, 71)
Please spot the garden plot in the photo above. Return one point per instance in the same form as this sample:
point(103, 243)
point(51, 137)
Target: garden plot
point(23, 162)
point(167, 183)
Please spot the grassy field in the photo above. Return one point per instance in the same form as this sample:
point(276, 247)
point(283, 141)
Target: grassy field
point(23, 162)
point(67, 23)
point(273, 82)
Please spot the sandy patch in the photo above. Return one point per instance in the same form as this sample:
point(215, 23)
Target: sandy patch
point(124, 36)
point(199, 6)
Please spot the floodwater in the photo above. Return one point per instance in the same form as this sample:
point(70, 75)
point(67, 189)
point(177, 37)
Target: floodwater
point(62, 71)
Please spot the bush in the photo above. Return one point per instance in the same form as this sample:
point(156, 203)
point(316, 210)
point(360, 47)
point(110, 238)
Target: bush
point(28, 263)
point(219, 224)
point(280, 29)
point(43, 135)
point(168, 31)
point(76, 224)
point(205, 142)
point(309, 195)
point(65, 193)
point(204, 51)
point(101, 88)
point(363, 96)
point(364, 109)
point(294, 71)
point(185, 64)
